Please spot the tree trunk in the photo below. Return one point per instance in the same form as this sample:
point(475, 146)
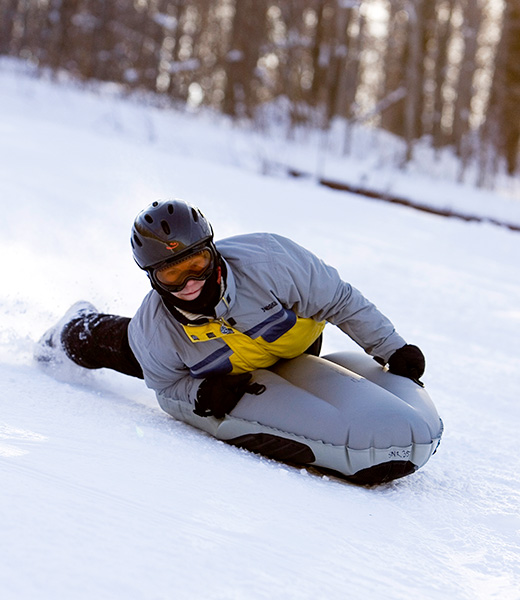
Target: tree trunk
point(241, 60)
point(472, 20)
point(414, 76)
point(392, 117)
point(500, 132)
point(443, 37)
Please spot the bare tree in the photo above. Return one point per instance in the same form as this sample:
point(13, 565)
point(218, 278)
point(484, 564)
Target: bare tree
point(394, 85)
point(467, 68)
point(344, 63)
point(247, 37)
point(500, 133)
point(441, 59)
point(8, 14)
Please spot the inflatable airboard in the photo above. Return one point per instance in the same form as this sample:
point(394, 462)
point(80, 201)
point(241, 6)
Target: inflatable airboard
point(342, 412)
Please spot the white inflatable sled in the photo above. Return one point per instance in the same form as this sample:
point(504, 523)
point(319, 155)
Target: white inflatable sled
point(342, 413)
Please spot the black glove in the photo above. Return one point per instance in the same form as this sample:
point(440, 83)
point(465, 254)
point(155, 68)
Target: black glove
point(219, 395)
point(409, 362)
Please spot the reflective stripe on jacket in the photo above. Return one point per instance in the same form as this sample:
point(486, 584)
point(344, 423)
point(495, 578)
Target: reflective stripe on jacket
point(284, 336)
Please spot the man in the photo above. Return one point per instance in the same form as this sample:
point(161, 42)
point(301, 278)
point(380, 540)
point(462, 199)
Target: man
point(220, 314)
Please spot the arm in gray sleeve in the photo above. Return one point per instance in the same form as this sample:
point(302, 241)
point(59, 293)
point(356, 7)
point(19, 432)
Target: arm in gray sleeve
point(170, 379)
point(314, 289)
point(151, 342)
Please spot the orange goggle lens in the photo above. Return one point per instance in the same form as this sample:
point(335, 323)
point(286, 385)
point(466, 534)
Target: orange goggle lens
point(174, 275)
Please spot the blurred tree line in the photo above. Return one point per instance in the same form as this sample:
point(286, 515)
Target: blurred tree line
point(443, 70)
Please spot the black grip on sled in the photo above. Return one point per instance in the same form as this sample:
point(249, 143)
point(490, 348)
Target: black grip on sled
point(256, 389)
point(218, 395)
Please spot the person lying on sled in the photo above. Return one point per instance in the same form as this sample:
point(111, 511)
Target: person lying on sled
point(219, 311)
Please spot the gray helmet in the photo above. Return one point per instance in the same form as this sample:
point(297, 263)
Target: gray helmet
point(168, 230)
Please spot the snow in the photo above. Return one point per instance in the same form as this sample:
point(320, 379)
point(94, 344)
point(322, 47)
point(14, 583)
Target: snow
point(105, 496)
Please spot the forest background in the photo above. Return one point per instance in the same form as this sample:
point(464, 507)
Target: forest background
point(441, 74)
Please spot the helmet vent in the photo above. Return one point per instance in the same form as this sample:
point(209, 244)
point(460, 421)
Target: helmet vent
point(165, 227)
point(195, 215)
point(170, 209)
point(148, 219)
point(138, 241)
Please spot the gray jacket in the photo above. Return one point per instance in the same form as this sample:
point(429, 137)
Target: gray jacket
point(278, 296)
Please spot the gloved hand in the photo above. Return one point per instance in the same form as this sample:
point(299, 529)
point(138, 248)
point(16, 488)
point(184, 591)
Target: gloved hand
point(408, 361)
point(219, 395)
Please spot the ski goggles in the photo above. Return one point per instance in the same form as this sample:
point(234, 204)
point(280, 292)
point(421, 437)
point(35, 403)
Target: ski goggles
point(174, 275)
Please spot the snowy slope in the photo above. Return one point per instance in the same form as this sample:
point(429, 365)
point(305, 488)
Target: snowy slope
point(104, 496)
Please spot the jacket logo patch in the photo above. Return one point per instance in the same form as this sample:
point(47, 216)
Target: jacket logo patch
point(268, 307)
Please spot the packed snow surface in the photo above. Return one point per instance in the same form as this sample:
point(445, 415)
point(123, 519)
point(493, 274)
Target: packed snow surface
point(105, 496)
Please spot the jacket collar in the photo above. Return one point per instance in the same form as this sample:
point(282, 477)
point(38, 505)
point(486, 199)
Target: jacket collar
point(227, 301)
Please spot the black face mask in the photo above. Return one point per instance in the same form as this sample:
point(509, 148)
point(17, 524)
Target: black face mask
point(205, 302)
